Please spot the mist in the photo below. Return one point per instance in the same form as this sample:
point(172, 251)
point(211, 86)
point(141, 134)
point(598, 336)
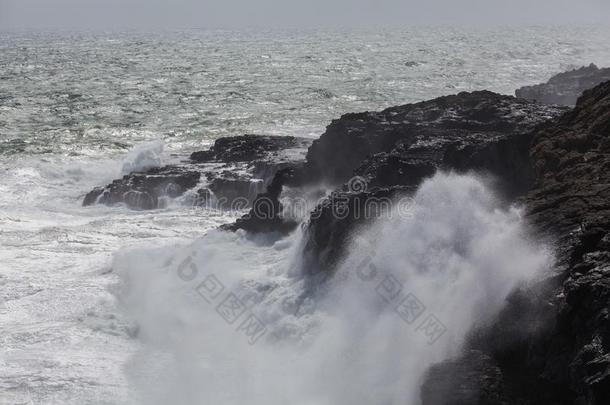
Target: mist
point(232, 14)
point(458, 255)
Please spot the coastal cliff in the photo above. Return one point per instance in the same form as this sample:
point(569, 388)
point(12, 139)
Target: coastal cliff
point(393, 151)
point(551, 343)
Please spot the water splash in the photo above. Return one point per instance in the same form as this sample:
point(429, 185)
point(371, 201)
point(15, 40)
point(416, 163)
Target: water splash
point(143, 157)
point(458, 257)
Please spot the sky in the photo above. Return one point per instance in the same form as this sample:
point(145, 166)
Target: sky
point(186, 14)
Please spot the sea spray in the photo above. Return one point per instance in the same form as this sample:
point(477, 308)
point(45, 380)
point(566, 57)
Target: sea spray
point(427, 281)
point(143, 157)
point(403, 298)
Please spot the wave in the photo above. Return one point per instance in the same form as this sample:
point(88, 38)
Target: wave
point(143, 157)
point(404, 298)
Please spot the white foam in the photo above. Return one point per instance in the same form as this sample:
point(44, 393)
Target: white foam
point(143, 157)
point(459, 253)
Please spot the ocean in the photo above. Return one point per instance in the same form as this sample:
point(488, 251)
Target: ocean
point(92, 310)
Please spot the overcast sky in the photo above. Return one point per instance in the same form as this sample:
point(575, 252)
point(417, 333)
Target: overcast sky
point(150, 14)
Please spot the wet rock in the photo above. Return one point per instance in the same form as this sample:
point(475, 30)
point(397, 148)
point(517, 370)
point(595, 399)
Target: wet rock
point(234, 189)
point(396, 149)
point(337, 218)
point(248, 148)
point(401, 146)
point(145, 190)
point(565, 88)
point(395, 169)
point(426, 131)
point(237, 169)
point(571, 200)
point(473, 379)
point(251, 162)
point(203, 198)
point(553, 347)
point(266, 215)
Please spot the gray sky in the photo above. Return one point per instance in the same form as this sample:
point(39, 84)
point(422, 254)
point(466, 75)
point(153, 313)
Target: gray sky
point(150, 14)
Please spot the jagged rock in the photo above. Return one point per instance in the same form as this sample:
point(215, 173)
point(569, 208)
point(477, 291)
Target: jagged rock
point(232, 189)
point(145, 190)
point(571, 200)
point(202, 198)
point(395, 169)
point(251, 164)
point(551, 344)
point(473, 379)
point(248, 148)
point(266, 213)
point(553, 347)
point(426, 131)
point(333, 221)
point(403, 145)
point(565, 88)
point(396, 149)
point(233, 179)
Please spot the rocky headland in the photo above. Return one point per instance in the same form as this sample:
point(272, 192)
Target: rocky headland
point(551, 343)
point(227, 176)
point(565, 88)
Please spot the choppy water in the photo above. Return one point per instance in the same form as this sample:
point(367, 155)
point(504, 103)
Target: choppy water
point(78, 93)
point(73, 104)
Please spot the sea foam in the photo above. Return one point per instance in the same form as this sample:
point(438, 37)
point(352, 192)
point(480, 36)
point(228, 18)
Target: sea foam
point(351, 340)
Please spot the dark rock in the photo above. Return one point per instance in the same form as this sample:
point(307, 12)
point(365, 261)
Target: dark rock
point(571, 200)
point(203, 156)
point(252, 162)
point(248, 148)
point(553, 347)
point(401, 146)
point(430, 131)
point(396, 149)
point(337, 218)
point(266, 213)
point(237, 186)
point(234, 189)
point(572, 165)
point(473, 379)
point(145, 190)
point(233, 179)
point(395, 169)
point(203, 198)
point(565, 88)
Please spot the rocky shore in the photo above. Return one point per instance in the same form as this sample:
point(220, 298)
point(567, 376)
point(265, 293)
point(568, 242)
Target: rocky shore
point(227, 176)
point(565, 88)
point(551, 344)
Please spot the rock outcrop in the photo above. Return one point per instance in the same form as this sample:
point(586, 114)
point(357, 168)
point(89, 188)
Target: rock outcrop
point(250, 148)
point(476, 379)
point(430, 131)
point(266, 214)
point(565, 88)
point(145, 190)
point(551, 345)
point(394, 150)
point(231, 174)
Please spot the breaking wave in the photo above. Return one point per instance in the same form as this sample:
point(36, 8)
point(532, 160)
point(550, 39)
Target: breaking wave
point(229, 320)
